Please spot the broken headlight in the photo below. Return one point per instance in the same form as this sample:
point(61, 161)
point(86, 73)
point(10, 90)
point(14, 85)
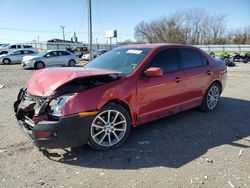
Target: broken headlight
point(57, 105)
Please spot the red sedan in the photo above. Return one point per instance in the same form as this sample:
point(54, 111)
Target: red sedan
point(127, 86)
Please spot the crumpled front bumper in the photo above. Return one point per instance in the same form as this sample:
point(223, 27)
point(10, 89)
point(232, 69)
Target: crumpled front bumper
point(69, 131)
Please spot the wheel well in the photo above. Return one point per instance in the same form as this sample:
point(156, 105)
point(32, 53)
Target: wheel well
point(6, 58)
point(39, 62)
point(123, 104)
point(219, 83)
point(72, 60)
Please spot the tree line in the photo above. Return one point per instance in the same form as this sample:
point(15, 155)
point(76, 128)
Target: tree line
point(191, 26)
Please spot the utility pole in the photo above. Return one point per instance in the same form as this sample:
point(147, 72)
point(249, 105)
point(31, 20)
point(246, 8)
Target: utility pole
point(38, 41)
point(63, 31)
point(90, 28)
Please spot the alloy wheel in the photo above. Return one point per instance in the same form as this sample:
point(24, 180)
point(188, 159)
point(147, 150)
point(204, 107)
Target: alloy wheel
point(108, 128)
point(213, 97)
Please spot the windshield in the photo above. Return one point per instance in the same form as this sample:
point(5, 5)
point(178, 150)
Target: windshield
point(123, 60)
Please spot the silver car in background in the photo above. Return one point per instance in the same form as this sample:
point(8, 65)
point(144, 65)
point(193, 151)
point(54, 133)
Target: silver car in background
point(15, 56)
point(50, 58)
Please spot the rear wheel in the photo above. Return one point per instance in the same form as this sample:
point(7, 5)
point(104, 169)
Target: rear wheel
point(6, 61)
point(72, 63)
point(211, 98)
point(110, 128)
point(39, 65)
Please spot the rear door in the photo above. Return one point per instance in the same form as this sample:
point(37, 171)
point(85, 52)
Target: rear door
point(197, 76)
point(160, 96)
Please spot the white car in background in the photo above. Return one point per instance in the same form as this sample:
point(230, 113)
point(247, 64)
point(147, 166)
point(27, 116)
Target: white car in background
point(7, 48)
point(15, 56)
point(50, 58)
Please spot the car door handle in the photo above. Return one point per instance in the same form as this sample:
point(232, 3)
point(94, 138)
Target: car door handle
point(209, 72)
point(177, 79)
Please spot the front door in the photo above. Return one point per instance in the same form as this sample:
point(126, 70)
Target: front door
point(160, 96)
point(52, 59)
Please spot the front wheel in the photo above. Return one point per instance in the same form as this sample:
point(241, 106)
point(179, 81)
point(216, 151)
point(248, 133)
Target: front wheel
point(6, 61)
point(110, 128)
point(39, 65)
point(211, 98)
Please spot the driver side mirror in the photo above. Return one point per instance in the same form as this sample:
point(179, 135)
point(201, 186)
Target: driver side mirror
point(153, 72)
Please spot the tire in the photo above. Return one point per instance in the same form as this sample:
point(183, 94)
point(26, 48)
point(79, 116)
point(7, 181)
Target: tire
point(72, 63)
point(39, 65)
point(6, 61)
point(110, 128)
point(211, 98)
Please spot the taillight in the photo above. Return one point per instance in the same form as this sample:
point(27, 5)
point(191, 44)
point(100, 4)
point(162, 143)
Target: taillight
point(43, 135)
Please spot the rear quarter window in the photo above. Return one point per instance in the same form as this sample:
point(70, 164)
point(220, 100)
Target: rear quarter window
point(63, 53)
point(27, 46)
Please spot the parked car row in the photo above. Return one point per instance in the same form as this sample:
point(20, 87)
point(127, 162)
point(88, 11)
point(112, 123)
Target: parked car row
point(32, 59)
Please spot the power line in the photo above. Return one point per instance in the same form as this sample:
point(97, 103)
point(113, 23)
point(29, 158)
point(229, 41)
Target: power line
point(58, 32)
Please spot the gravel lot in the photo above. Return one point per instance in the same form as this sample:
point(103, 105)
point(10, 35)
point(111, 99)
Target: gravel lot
point(190, 149)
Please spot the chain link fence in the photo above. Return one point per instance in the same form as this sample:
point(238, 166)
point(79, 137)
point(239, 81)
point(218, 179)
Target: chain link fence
point(41, 46)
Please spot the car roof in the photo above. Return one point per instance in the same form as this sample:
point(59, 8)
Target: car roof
point(154, 46)
point(57, 51)
point(23, 49)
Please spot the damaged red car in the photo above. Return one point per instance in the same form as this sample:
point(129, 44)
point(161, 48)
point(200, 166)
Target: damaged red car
point(125, 87)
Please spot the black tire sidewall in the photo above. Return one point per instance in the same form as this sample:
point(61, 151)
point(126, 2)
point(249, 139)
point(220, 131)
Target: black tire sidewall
point(6, 59)
point(125, 113)
point(203, 105)
point(39, 62)
point(70, 65)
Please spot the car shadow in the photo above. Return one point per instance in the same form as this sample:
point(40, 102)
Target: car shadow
point(170, 142)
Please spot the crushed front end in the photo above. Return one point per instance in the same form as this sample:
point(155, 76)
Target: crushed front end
point(40, 121)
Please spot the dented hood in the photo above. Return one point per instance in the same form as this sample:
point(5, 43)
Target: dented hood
point(44, 82)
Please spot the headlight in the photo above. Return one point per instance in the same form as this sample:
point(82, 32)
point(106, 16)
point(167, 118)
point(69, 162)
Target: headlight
point(57, 105)
point(31, 61)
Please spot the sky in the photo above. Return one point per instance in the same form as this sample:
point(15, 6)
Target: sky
point(27, 20)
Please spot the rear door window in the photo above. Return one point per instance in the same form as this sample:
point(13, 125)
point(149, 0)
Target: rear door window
point(167, 60)
point(27, 46)
point(28, 52)
point(63, 53)
point(18, 52)
point(191, 58)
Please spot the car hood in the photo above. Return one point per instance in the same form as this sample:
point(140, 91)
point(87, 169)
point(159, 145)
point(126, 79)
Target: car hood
point(29, 57)
point(4, 55)
point(44, 82)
